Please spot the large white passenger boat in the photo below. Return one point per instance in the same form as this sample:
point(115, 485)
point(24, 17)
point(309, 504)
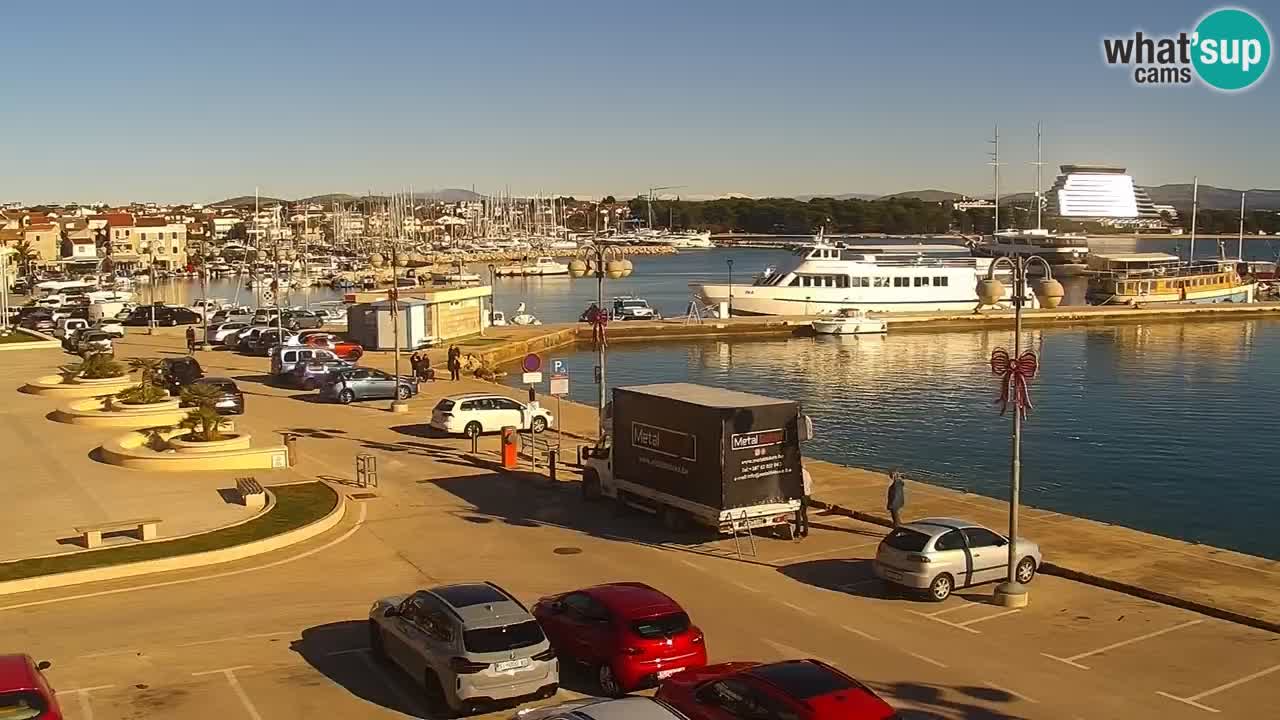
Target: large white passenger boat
point(822, 279)
point(1069, 249)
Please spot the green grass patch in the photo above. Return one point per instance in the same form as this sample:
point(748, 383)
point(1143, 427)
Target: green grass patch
point(17, 336)
point(296, 506)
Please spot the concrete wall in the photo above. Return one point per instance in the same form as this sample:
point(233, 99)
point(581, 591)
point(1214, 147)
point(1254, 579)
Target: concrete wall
point(450, 320)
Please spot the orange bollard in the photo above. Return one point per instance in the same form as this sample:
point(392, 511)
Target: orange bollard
point(510, 455)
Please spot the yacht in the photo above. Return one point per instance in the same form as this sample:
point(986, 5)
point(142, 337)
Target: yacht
point(1132, 278)
point(822, 279)
point(1069, 249)
point(544, 265)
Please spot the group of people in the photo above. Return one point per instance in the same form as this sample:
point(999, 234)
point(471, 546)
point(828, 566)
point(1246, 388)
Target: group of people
point(423, 371)
point(895, 500)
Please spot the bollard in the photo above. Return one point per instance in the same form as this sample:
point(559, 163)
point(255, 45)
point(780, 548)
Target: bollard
point(551, 464)
point(291, 447)
point(475, 443)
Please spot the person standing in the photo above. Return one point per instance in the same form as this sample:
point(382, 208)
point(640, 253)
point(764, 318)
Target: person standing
point(191, 340)
point(455, 363)
point(415, 362)
point(802, 515)
point(897, 497)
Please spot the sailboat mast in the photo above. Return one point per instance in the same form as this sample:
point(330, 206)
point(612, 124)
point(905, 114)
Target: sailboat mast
point(995, 164)
point(1240, 241)
point(1195, 205)
point(1039, 163)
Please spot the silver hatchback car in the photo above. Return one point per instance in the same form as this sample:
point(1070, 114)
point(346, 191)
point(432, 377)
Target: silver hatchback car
point(470, 644)
point(942, 554)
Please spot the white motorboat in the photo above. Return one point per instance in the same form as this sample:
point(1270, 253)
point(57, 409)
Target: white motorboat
point(849, 321)
point(543, 266)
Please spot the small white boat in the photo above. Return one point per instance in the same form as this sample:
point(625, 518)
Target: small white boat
point(849, 321)
point(544, 265)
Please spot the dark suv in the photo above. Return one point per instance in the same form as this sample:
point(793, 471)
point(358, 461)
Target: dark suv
point(180, 372)
point(163, 314)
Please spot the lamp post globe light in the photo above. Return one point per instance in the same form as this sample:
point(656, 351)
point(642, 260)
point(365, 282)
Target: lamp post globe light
point(602, 261)
point(1016, 368)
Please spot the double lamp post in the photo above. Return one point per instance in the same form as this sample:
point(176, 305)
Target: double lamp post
point(602, 261)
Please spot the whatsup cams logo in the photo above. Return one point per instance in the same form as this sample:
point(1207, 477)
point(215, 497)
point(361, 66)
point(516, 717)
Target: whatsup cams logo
point(1228, 50)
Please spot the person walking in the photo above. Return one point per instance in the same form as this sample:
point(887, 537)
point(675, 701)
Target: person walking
point(896, 498)
point(415, 362)
point(191, 340)
point(455, 363)
point(802, 515)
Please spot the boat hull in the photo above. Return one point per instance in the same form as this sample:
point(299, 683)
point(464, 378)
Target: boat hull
point(1238, 294)
point(861, 327)
point(754, 300)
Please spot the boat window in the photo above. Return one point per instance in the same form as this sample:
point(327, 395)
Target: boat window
point(940, 281)
point(902, 282)
point(921, 281)
point(795, 282)
point(843, 281)
point(829, 281)
point(882, 282)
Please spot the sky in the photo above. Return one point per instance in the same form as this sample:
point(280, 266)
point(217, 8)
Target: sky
point(195, 102)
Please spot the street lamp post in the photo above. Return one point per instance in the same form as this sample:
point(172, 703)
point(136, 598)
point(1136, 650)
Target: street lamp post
point(730, 262)
point(602, 261)
point(1016, 368)
point(493, 291)
point(398, 405)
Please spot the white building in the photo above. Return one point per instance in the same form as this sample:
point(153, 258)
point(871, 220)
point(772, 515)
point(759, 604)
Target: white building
point(1099, 192)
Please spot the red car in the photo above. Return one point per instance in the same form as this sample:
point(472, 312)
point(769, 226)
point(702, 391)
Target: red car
point(629, 634)
point(345, 349)
point(24, 692)
point(794, 689)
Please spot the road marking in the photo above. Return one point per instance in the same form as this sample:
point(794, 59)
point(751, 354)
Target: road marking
point(1012, 693)
point(84, 690)
point(351, 531)
point(961, 606)
point(690, 563)
point(1072, 660)
point(945, 622)
point(108, 653)
point(220, 670)
point(929, 660)
point(406, 700)
point(798, 608)
point(1226, 686)
point(794, 652)
point(856, 631)
point(744, 586)
point(233, 639)
point(82, 695)
point(240, 693)
point(967, 623)
point(824, 552)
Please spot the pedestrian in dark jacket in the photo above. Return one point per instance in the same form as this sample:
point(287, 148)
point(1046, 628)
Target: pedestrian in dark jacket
point(897, 497)
point(455, 363)
point(802, 515)
point(191, 340)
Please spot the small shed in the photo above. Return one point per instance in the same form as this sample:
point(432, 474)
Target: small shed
point(370, 324)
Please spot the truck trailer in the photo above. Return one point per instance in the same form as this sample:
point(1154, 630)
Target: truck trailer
point(693, 454)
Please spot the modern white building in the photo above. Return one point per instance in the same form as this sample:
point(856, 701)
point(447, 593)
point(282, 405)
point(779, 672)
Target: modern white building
point(1098, 192)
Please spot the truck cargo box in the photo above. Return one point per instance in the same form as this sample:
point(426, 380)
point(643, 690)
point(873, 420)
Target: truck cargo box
point(719, 448)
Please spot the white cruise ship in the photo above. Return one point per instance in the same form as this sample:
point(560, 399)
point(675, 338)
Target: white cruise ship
point(822, 279)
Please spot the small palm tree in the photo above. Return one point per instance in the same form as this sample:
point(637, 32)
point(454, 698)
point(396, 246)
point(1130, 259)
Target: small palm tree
point(26, 255)
point(200, 395)
point(203, 422)
point(150, 388)
point(97, 366)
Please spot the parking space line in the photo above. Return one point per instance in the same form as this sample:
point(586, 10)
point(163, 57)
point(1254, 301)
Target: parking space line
point(967, 623)
point(744, 586)
point(220, 670)
point(816, 553)
point(856, 631)
point(691, 563)
point(964, 604)
point(1012, 693)
point(82, 696)
point(925, 658)
point(945, 622)
point(1211, 691)
point(799, 608)
point(240, 693)
point(1072, 660)
point(233, 639)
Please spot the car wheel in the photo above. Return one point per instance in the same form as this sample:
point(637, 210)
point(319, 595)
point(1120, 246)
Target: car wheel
point(538, 424)
point(608, 681)
point(941, 587)
point(472, 429)
point(402, 392)
point(346, 396)
point(1025, 572)
point(591, 486)
point(375, 641)
point(355, 354)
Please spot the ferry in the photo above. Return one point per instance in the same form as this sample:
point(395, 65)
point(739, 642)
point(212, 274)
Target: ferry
point(822, 279)
point(1069, 249)
point(1132, 278)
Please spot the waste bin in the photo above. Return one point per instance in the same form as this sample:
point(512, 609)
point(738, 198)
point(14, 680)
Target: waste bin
point(510, 447)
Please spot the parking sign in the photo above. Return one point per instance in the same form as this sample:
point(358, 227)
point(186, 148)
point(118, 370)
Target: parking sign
point(558, 367)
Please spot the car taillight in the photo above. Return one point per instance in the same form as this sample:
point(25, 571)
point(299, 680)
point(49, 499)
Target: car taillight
point(545, 655)
point(464, 666)
point(697, 637)
point(916, 557)
point(630, 650)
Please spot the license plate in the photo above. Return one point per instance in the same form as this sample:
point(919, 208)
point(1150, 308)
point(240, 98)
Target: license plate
point(511, 665)
point(664, 674)
point(226, 403)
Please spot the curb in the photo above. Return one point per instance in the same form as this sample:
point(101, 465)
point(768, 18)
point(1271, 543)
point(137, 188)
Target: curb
point(1088, 578)
point(182, 562)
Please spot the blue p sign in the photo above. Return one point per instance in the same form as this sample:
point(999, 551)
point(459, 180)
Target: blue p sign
point(558, 367)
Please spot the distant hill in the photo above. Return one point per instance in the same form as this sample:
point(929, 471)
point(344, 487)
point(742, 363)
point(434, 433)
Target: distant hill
point(245, 201)
point(840, 196)
point(330, 198)
point(450, 195)
point(923, 195)
point(1213, 198)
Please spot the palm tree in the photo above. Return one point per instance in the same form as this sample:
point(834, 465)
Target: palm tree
point(150, 388)
point(26, 255)
point(201, 395)
point(203, 423)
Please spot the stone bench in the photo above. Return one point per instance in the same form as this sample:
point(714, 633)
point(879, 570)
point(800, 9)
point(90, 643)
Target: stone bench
point(251, 492)
point(91, 535)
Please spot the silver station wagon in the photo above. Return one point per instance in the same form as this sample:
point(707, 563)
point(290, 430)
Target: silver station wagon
point(942, 554)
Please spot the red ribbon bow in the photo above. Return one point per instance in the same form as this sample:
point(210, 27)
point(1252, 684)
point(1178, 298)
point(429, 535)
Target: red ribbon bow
point(1015, 374)
point(598, 319)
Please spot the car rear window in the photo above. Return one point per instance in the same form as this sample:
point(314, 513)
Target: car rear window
point(501, 639)
point(21, 705)
point(444, 405)
point(661, 626)
point(907, 540)
point(802, 679)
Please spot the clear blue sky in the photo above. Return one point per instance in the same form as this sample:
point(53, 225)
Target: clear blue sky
point(176, 101)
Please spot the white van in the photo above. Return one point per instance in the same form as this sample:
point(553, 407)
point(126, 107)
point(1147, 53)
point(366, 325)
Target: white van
point(68, 326)
point(100, 310)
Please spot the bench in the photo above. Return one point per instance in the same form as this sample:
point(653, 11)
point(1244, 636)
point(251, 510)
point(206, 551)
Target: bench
point(251, 492)
point(91, 535)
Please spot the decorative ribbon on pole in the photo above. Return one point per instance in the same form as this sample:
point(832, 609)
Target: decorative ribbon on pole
point(599, 319)
point(1014, 374)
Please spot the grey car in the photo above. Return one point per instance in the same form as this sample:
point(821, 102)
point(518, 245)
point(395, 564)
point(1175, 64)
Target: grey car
point(628, 708)
point(359, 383)
point(942, 554)
point(470, 644)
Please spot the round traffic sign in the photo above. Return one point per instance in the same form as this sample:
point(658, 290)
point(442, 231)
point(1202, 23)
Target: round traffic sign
point(532, 363)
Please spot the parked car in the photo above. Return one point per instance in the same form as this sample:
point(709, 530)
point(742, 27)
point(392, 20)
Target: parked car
point(345, 349)
point(25, 693)
point(794, 689)
point(632, 308)
point(470, 644)
point(68, 326)
point(268, 339)
point(40, 321)
point(333, 315)
point(231, 398)
point(265, 316)
point(179, 372)
point(314, 374)
point(630, 635)
point(243, 340)
point(627, 708)
point(241, 314)
point(359, 383)
point(301, 319)
point(163, 315)
point(476, 413)
point(285, 357)
point(218, 334)
point(942, 554)
point(92, 342)
point(110, 327)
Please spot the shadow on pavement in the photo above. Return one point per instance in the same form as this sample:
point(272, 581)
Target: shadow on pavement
point(852, 577)
point(941, 702)
point(340, 652)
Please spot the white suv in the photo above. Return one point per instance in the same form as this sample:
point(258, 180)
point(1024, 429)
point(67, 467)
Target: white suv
point(477, 413)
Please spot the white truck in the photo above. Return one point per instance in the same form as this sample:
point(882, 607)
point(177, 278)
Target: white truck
point(692, 454)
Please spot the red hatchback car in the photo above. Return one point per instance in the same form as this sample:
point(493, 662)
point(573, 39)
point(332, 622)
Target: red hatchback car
point(24, 692)
point(790, 690)
point(629, 634)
